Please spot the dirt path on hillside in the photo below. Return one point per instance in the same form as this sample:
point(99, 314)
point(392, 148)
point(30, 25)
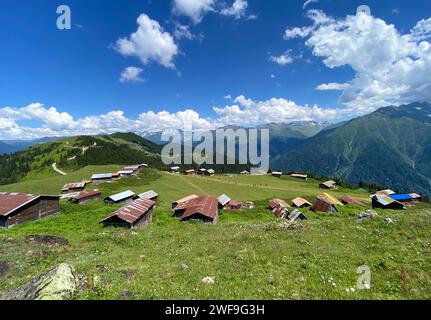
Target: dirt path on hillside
point(54, 167)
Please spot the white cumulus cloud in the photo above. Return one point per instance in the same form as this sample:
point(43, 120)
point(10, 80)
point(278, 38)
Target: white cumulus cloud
point(194, 9)
point(238, 9)
point(390, 67)
point(131, 74)
point(149, 43)
point(283, 59)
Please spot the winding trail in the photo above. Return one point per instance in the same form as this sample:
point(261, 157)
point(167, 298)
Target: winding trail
point(54, 167)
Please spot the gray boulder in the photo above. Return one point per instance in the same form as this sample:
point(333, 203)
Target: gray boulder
point(367, 215)
point(60, 283)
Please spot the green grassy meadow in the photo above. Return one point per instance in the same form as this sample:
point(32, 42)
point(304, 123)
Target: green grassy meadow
point(246, 254)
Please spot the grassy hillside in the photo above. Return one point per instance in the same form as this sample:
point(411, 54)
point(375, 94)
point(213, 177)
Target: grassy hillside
point(390, 147)
point(71, 154)
point(247, 255)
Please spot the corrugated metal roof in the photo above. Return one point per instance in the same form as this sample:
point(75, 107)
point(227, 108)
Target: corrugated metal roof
point(234, 204)
point(331, 199)
point(386, 192)
point(99, 176)
point(77, 185)
point(300, 202)
point(184, 200)
point(10, 202)
point(122, 196)
point(401, 197)
point(350, 201)
point(296, 214)
point(384, 200)
point(205, 205)
point(274, 203)
point(134, 211)
point(322, 205)
point(210, 171)
point(281, 212)
point(223, 199)
point(126, 172)
point(148, 195)
point(329, 184)
point(298, 175)
point(86, 194)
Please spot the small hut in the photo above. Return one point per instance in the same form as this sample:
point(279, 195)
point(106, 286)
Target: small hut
point(277, 174)
point(150, 195)
point(86, 196)
point(301, 203)
point(135, 215)
point(350, 201)
point(125, 196)
point(385, 202)
point(323, 205)
point(203, 208)
point(328, 185)
point(299, 176)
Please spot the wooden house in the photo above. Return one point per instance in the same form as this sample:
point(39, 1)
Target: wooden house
point(125, 196)
point(17, 208)
point(86, 196)
point(135, 215)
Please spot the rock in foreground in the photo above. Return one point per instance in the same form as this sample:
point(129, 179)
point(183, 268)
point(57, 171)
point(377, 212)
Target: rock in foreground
point(60, 283)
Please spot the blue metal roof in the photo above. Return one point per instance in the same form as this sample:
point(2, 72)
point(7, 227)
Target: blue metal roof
point(400, 197)
point(122, 196)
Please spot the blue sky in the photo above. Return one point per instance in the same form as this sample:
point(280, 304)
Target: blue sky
point(55, 82)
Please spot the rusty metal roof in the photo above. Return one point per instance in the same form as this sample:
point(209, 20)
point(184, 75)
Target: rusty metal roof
point(10, 202)
point(184, 200)
point(274, 203)
point(234, 203)
point(205, 205)
point(300, 202)
point(281, 212)
point(321, 205)
point(77, 185)
point(350, 201)
point(86, 194)
point(134, 211)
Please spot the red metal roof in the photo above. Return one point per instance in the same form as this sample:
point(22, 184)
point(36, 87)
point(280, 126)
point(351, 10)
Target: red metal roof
point(182, 203)
point(86, 194)
point(134, 211)
point(234, 203)
point(274, 203)
point(78, 185)
point(281, 212)
point(205, 205)
point(9, 202)
point(300, 202)
point(349, 201)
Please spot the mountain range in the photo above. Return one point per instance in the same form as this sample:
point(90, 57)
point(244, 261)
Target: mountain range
point(390, 147)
